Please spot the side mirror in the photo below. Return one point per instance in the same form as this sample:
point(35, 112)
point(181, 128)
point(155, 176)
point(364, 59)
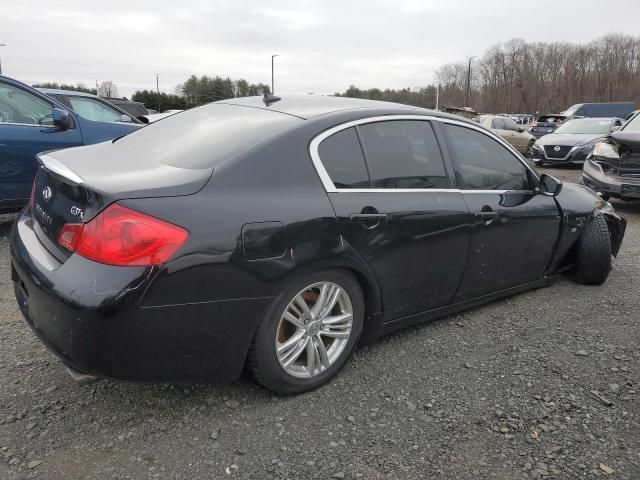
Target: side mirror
point(61, 119)
point(143, 119)
point(125, 118)
point(550, 185)
point(520, 129)
point(615, 128)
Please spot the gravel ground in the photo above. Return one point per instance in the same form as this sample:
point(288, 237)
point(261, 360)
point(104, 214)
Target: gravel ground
point(540, 385)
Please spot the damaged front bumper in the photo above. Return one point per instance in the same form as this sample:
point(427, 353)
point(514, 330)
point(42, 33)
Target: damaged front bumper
point(609, 183)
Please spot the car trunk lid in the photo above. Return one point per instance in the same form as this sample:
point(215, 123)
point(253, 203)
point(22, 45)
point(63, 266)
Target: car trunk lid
point(74, 185)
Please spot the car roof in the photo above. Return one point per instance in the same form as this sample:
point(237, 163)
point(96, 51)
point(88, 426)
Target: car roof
point(117, 100)
point(57, 91)
point(611, 119)
point(310, 106)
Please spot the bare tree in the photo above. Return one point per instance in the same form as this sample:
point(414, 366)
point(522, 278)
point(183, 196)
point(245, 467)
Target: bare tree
point(519, 77)
point(108, 89)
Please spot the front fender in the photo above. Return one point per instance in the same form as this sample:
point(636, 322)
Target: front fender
point(579, 204)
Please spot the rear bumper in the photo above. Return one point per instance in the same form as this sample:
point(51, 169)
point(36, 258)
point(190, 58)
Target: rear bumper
point(90, 315)
point(618, 187)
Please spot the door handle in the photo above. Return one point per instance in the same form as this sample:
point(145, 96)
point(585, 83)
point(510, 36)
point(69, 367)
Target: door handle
point(486, 215)
point(367, 217)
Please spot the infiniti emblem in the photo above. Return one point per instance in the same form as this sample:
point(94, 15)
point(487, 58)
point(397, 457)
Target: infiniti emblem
point(47, 193)
point(556, 148)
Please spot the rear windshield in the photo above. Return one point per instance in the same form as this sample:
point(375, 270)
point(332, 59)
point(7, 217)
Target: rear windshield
point(205, 136)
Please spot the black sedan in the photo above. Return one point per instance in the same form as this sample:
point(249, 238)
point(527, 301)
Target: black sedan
point(573, 141)
point(278, 233)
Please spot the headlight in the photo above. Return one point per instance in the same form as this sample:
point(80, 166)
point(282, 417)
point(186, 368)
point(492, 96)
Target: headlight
point(586, 146)
point(606, 151)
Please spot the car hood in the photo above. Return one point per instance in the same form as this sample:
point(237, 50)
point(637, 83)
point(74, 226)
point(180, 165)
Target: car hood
point(627, 145)
point(568, 139)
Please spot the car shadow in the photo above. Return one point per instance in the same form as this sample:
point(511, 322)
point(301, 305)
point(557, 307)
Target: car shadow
point(6, 222)
point(623, 206)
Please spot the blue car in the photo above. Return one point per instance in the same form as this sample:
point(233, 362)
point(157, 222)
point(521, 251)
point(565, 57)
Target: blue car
point(33, 122)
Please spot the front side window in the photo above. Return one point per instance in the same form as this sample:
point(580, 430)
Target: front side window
point(342, 158)
point(21, 107)
point(403, 154)
point(95, 110)
point(497, 124)
point(510, 125)
point(484, 164)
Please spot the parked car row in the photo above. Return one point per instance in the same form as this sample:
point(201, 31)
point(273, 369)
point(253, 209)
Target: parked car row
point(508, 129)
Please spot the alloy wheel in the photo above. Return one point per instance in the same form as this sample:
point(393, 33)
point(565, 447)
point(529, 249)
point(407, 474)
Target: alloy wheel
point(314, 329)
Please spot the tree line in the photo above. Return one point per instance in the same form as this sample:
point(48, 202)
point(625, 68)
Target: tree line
point(193, 92)
point(197, 91)
point(105, 89)
point(511, 77)
point(522, 77)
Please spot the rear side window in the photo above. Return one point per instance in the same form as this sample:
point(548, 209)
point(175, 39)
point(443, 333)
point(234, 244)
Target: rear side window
point(484, 164)
point(403, 154)
point(342, 158)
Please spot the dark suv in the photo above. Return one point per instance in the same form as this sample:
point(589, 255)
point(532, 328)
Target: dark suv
point(610, 109)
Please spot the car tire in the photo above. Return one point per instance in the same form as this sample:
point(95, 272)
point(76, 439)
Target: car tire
point(593, 262)
point(277, 340)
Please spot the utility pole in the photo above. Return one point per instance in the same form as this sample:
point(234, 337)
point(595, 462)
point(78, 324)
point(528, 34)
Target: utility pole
point(96, 87)
point(273, 88)
point(468, 80)
point(158, 90)
point(437, 95)
point(2, 45)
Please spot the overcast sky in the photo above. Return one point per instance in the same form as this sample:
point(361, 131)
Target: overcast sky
point(324, 45)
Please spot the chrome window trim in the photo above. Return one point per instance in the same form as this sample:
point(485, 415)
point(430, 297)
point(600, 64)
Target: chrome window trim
point(35, 125)
point(331, 188)
point(60, 169)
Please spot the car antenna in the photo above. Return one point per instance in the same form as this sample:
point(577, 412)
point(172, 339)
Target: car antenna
point(268, 99)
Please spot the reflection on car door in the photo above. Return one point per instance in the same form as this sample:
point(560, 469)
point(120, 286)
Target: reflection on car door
point(396, 208)
point(514, 228)
point(520, 140)
point(500, 128)
point(26, 128)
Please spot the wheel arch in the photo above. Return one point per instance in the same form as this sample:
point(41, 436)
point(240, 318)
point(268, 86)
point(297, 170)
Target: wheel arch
point(351, 263)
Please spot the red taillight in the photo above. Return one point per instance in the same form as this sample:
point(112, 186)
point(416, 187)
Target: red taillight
point(121, 236)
